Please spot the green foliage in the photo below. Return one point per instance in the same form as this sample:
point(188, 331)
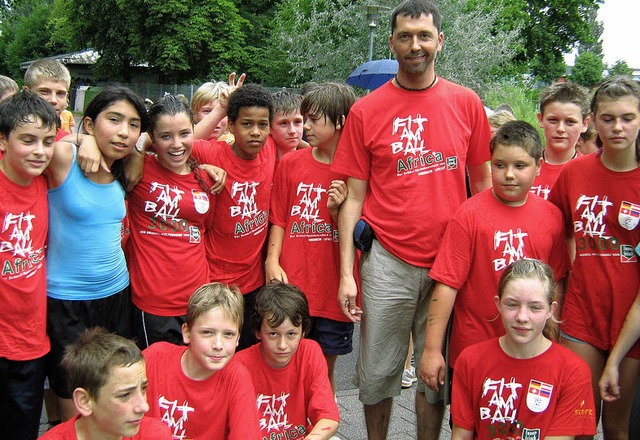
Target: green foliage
point(519, 95)
point(588, 69)
point(620, 67)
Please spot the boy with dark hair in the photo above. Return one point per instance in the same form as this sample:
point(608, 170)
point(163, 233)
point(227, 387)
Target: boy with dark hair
point(487, 233)
point(239, 229)
point(293, 394)
point(107, 373)
point(564, 116)
point(286, 126)
point(195, 389)
point(27, 134)
point(305, 201)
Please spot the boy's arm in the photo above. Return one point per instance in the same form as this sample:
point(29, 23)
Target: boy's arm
point(459, 433)
point(89, 156)
point(348, 216)
point(479, 177)
point(134, 162)
point(217, 174)
point(609, 386)
point(272, 268)
point(60, 164)
point(323, 430)
point(337, 193)
point(432, 364)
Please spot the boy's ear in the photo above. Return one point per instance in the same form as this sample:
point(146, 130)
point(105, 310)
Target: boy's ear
point(540, 119)
point(88, 126)
point(83, 401)
point(186, 334)
point(25, 88)
point(539, 166)
point(496, 299)
point(3, 142)
point(585, 123)
point(340, 123)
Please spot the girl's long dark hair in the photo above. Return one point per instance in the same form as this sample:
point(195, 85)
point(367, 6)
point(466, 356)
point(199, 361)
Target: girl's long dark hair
point(104, 100)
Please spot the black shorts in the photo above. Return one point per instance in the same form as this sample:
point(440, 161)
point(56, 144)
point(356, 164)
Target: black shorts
point(150, 328)
point(67, 320)
point(21, 394)
point(334, 337)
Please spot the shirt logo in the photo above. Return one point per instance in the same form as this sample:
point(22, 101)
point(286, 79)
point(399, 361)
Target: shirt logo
point(538, 395)
point(629, 215)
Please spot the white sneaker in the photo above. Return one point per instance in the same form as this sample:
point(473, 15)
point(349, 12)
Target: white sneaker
point(409, 377)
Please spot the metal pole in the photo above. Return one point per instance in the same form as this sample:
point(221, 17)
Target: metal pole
point(372, 31)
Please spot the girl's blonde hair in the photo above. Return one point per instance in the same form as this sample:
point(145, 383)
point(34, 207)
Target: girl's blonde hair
point(536, 270)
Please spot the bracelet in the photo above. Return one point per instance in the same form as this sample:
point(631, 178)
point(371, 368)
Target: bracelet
point(135, 147)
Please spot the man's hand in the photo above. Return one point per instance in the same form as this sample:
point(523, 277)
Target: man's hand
point(347, 293)
point(432, 369)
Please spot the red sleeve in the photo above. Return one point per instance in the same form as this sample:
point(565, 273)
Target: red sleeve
point(560, 197)
point(575, 411)
point(279, 195)
point(352, 157)
point(478, 152)
point(462, 398)
point(207, 152)
point(453, 260)
point(322, 403)
point(153, 429)
point(243, 418)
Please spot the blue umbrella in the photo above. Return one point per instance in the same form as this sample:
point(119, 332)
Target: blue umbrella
point(373, 74)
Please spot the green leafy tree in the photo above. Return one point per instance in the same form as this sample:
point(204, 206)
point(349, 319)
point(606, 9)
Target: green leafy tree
point(588, 69)
point(620, 67)
point(326, 40)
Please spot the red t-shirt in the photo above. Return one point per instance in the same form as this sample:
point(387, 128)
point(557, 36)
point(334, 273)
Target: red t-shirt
point(239, 229)
point(548, 175)
point(168, 213)
point(602, 209)
point(217, 408)
point(482, 239)
point(500, 397)
point(412, 148)
point(24, 224)
point(150, 429)
point(310, 252)
point(291, 400)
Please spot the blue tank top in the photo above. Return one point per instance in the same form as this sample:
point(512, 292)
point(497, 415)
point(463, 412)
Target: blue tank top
point(85, 260)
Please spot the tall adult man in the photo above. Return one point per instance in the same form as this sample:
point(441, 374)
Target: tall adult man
point(405, 147)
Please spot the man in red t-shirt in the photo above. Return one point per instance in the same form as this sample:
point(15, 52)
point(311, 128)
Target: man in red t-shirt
point(405, 147)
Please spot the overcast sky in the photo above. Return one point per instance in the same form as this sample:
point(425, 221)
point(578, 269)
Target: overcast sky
point(620, 38)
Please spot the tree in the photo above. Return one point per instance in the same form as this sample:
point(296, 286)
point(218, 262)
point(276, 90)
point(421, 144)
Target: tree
point(588, 69)
point(326, 40)
point(620, 67)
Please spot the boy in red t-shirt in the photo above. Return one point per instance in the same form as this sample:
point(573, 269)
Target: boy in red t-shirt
point(292, 390)
point(287, 123)
point(564, 115)
point(488, 232)
point(195, 389)
point(108, 376)
point(303, 239)
point(27, 133)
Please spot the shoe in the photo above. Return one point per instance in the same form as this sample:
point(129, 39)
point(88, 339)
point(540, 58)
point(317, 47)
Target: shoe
point(409, 377)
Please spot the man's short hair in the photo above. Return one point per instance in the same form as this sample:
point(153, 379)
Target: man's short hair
point(278, 301)
point(415, 9)
point(333, 100)
point(249, 95)
point(518, 134)
point(216, 295)
point(24, 108)
point(566, 93)
point(91, 359)
point(286, 102)
point(46, 69)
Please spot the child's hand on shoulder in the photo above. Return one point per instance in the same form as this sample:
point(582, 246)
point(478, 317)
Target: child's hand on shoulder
point(337, 193)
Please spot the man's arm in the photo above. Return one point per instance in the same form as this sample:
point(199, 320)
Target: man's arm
point(349, 214)
point(479, 177)
point(432, 364)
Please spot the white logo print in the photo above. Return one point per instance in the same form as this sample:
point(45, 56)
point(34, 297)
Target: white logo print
point(307, 207)
point(244, 193)
point(22, 224)
point(592, 215)
point(175, 416)
point(501, 407)
point(512, 244)
point(166, 204)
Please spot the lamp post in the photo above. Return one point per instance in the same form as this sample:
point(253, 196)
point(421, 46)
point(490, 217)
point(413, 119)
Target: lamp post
point(373, 13)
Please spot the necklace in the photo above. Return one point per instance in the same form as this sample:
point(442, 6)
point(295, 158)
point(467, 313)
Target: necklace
point(435, 78)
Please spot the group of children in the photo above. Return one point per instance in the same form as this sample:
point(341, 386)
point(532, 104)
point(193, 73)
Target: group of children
point(129, 267)
point(72, 263)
